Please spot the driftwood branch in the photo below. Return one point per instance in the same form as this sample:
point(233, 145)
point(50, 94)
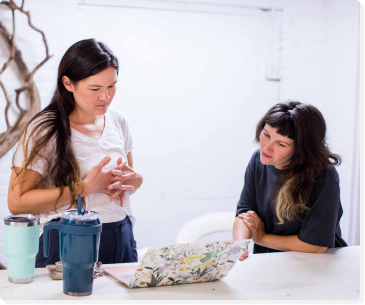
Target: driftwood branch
point(12, 135)
point(8, 104)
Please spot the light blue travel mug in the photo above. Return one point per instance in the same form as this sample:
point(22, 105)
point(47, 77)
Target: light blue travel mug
point(21, 243)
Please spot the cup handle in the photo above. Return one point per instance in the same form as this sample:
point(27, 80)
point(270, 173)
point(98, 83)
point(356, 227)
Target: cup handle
point(46, 236)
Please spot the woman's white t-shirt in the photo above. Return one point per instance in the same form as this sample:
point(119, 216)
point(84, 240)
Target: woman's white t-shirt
point(115, 141)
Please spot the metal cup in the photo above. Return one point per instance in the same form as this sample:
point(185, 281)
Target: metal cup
point(21, 243)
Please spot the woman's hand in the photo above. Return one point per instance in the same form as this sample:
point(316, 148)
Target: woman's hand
point(97, 180)
point(255, 224)
point(244, 255)
point(115, 194)
point(123, 172)
point(126, 175)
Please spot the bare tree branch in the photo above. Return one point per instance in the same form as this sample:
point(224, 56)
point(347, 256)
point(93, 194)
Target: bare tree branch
point(13, 132)
point(8, 103)
point(11, 57)
point(32, 26)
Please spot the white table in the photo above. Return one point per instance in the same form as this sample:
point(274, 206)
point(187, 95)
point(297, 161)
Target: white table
point(334, 275)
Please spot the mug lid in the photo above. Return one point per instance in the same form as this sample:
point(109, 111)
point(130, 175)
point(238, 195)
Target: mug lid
point(21, 220)
point(73, 215)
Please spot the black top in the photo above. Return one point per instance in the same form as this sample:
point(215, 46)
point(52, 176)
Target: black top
point(319, 226)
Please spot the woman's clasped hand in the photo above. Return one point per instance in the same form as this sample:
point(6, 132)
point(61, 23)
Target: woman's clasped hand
point(255, 224)
point(126, 177)
point(109, 182)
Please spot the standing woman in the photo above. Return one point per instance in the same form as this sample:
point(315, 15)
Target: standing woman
point(291, 196)
point(77, 145)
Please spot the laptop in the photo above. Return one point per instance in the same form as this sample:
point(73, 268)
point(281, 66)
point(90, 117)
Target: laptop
point(181, 264)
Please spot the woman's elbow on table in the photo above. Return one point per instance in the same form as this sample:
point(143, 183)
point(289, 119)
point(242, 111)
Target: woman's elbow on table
point(301, 246)
point(313, 249)
point(320, 250)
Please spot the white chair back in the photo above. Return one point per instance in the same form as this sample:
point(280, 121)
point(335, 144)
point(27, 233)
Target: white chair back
point(198, 227)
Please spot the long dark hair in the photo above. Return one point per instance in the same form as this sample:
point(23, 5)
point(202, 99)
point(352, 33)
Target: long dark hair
point(304, 124)
point(83, 59)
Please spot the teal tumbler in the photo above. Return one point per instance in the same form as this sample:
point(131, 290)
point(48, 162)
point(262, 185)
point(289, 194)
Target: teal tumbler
point(79, 249)
point(21, 243)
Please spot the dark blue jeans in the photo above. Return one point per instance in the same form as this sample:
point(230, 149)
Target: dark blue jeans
point(117, 245)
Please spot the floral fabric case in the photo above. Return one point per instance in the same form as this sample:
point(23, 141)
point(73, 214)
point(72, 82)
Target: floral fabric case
point(187, 263)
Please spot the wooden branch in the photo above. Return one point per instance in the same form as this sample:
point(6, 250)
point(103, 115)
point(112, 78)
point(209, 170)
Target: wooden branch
point(8, 103)
point(13, 133)
point(31, 25)
point(11, 57)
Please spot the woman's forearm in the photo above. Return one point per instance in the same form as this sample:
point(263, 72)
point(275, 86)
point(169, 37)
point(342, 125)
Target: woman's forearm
point(25, 198)
point(38, 200)
point(288, 243)
point(240, 230)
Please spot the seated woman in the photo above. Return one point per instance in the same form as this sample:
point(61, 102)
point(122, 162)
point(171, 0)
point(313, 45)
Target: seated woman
point(291, 197)
point(78, 146)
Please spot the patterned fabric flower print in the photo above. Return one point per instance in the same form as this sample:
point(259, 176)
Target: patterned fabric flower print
point(207, 277)
point(163, 267)
point(234, 251)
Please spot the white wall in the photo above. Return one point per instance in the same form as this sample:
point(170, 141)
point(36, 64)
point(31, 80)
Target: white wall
point(320, 63)
point(341, 93)
point(192, 86)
